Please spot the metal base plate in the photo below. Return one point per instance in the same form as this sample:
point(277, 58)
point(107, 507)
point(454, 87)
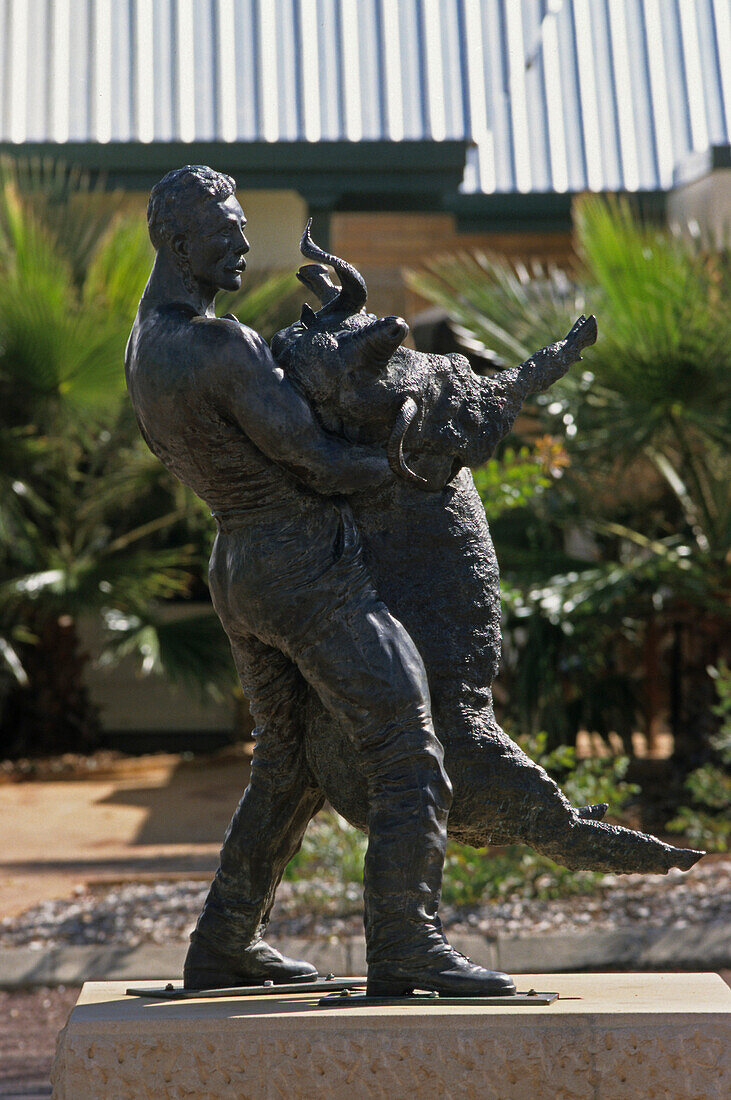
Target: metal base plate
point(346, 999)
point(339, 993)
point(171, 992)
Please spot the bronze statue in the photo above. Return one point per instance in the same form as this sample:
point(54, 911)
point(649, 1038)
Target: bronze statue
point(321, 517)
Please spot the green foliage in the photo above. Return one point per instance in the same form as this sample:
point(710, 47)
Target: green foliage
point(586, 781)
point(707, 822)
point(704, 828)
point(722, 741)
point(711, 787)
point(330, 863)
point(474, 877)
point(645, 495)
point(497, 308)
point(82, 502)
point(666, 316)
point(90, 522)
point(511, 481)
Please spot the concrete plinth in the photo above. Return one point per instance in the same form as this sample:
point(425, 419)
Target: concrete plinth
point(609, 1037)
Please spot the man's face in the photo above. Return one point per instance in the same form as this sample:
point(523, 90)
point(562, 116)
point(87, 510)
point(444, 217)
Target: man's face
point(216, 250)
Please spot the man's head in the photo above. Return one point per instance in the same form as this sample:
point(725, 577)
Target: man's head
point(193, 213)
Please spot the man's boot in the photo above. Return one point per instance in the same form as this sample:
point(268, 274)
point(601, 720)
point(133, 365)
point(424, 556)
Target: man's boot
point(258, 962)
point(227, 946)
point(410, 796)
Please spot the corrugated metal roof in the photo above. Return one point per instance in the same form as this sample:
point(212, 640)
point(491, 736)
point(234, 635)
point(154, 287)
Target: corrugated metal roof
point(558, 95)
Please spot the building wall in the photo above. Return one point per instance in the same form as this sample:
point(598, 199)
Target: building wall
point(707, 202)
point(276, 222)
point(129, 701)
point(381, 246)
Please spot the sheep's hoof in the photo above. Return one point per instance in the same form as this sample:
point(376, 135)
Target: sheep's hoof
point(684, 858)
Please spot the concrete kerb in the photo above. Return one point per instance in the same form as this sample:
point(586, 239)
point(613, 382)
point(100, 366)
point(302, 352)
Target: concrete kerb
point(698, 947)
point(702, 946)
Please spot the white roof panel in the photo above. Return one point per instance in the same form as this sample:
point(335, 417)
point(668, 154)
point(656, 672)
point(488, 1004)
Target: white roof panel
point(557, 95)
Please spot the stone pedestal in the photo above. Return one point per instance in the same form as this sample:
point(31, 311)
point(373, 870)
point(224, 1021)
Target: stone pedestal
point(609, 1037)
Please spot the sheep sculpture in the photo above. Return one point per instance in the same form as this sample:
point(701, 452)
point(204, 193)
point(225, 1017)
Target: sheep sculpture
point(429, 551)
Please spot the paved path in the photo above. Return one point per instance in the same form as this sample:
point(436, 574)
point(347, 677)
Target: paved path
point(149, 815)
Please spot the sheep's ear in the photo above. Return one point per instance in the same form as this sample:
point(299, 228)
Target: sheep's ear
point(308, 315)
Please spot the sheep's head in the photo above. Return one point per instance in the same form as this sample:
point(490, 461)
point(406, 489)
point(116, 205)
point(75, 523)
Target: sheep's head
point(351, 365)
point(366, 386)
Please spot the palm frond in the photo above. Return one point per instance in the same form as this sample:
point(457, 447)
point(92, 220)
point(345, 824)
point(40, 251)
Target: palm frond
point(499, 309)
point(191, 650)
point(73, 210)
point(119, 268)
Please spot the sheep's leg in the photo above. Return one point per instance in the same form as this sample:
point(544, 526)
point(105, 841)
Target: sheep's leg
point(592, 813)
point(501, 796)
point(492, 403)
point(582, 844)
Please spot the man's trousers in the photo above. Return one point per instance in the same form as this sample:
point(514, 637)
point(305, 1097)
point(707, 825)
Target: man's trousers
point(302, 612)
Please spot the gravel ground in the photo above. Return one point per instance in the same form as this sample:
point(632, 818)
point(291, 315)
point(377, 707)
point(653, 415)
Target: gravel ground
point(675, 900)
point(137, 913)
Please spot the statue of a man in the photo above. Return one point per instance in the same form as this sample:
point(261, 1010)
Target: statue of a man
point(289, 584)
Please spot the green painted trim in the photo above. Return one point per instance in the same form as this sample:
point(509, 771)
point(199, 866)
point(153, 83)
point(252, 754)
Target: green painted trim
point(650, 205)
point(545, 212)
point(402, 202)
point(339, 169)
point(512, 212)
point(721, 156)
point(394, 176)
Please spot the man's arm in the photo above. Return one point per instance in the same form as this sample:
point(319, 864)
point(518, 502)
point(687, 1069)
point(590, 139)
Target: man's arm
point(247, 385)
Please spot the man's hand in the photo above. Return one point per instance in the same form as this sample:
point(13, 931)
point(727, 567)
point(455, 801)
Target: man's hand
point(247, 385)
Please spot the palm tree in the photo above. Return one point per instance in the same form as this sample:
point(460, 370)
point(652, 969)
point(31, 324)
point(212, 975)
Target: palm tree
point(646, 429)
point(90, 522)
